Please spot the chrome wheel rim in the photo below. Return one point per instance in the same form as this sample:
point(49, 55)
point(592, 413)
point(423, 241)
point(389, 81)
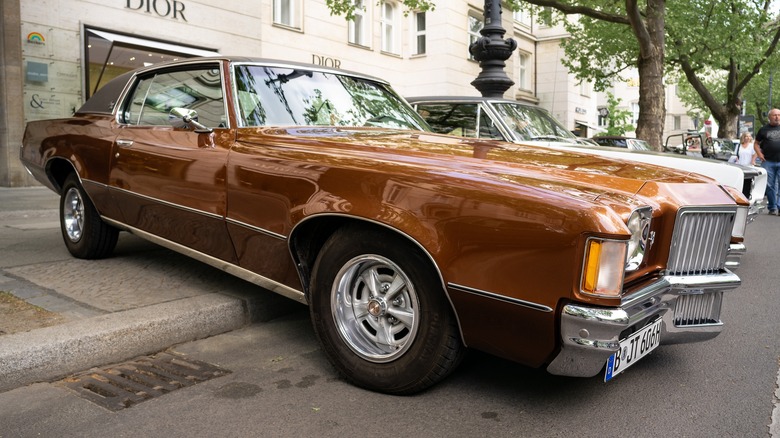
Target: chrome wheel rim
point(375, 307)
point(73, 215)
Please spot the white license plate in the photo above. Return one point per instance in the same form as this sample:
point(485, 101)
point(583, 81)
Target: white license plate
point(633, 348)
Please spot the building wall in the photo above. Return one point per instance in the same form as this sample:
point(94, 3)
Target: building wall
point(52, 37)
point(12, 172)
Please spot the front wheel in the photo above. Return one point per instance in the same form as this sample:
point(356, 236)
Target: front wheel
point(85, 234)
point(380, 313)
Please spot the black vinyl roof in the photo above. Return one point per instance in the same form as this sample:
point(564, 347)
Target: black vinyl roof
point(104, 100)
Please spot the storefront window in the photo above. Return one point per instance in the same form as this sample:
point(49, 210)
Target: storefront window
point(110, 54)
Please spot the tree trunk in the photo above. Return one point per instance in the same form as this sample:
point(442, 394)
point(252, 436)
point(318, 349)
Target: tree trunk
point(727, 121)
point(652, 107)
point(649, 31)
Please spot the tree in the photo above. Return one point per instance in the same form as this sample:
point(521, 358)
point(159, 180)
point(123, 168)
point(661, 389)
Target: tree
point(719, 48)
point(763, 92)
point(629, 35)
point(617, 120)
point(713, 49)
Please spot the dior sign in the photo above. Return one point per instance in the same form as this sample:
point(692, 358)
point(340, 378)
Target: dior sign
point(164, 8)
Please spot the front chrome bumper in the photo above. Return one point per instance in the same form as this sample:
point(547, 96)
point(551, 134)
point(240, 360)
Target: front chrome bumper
point(734, 256)
point(755, 209)
point(688, 305)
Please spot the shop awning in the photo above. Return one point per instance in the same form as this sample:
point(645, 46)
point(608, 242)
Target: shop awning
point(140, 42)
point(590, 127)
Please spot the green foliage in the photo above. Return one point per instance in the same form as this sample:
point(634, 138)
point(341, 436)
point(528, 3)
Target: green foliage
point(685, 92)
point(718, 51)
point(347, 7)
point(618, 119)
point(608, 50)
point(602, 43)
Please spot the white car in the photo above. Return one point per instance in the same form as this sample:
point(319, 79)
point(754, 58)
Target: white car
point(509, 120)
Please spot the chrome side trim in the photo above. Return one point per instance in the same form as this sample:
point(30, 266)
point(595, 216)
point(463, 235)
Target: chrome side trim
point(170, 204)
point(204, 213)
point(230, 268)
point(504, 298)
point(256, 229)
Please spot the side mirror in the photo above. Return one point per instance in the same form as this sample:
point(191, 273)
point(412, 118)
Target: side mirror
point(184, 117)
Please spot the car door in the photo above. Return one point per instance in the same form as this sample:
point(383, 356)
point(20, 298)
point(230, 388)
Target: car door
point(170, 181)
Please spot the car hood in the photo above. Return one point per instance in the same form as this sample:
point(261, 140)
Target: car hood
point(722, 172)
point(566, 172)
point(725, 173)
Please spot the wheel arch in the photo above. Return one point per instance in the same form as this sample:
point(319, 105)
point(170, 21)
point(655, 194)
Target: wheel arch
point(308, 237)
point(58, 169)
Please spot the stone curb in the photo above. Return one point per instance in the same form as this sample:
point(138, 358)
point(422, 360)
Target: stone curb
point(53, 352)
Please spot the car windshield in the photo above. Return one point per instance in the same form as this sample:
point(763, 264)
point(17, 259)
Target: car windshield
point(531, 123)
point(280, 96)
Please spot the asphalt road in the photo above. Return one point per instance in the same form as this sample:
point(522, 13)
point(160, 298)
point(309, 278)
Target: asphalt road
point(276, 383)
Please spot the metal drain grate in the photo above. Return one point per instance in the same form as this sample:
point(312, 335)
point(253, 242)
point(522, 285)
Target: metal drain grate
point(121, 386)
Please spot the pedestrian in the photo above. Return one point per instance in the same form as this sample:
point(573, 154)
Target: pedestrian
point(767, 147)
point(746, 152)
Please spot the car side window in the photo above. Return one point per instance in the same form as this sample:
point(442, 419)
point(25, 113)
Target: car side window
point(155, 96)
point(459, 120)
point(488, 128)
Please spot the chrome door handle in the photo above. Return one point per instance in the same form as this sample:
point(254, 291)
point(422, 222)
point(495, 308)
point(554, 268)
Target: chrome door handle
point(124, 143)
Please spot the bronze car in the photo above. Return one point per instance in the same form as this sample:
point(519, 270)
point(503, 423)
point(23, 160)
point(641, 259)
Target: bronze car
point(407, 246)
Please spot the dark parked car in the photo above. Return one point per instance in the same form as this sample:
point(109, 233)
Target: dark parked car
point(408, 246)
point(617, 141)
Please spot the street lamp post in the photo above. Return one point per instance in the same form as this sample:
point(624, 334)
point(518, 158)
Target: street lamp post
point(491, 50)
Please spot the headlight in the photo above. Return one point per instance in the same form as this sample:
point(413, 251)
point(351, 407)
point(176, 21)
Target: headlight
point(603, 268)
point(641, 237)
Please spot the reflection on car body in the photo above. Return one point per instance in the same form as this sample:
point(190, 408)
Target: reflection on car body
point(408, 246)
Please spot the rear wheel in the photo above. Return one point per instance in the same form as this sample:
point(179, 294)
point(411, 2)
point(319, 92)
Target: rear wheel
point(380, 313)
point(85, 234)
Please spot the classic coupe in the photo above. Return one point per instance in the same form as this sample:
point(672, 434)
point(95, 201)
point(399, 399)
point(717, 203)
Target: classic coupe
point(510, 120)
point(408, 247)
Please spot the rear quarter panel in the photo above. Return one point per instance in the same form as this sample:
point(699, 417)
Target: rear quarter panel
point(82, 143)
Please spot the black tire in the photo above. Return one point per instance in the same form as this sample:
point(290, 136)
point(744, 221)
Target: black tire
point(85, 234)
point(349, 319)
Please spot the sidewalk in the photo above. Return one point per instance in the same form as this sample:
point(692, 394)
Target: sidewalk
point(141, 300)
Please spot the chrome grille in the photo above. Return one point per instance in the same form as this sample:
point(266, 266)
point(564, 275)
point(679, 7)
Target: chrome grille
point(700, 241)
point(700, 309)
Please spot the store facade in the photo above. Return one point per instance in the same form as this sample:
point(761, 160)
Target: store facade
point(56, 53)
